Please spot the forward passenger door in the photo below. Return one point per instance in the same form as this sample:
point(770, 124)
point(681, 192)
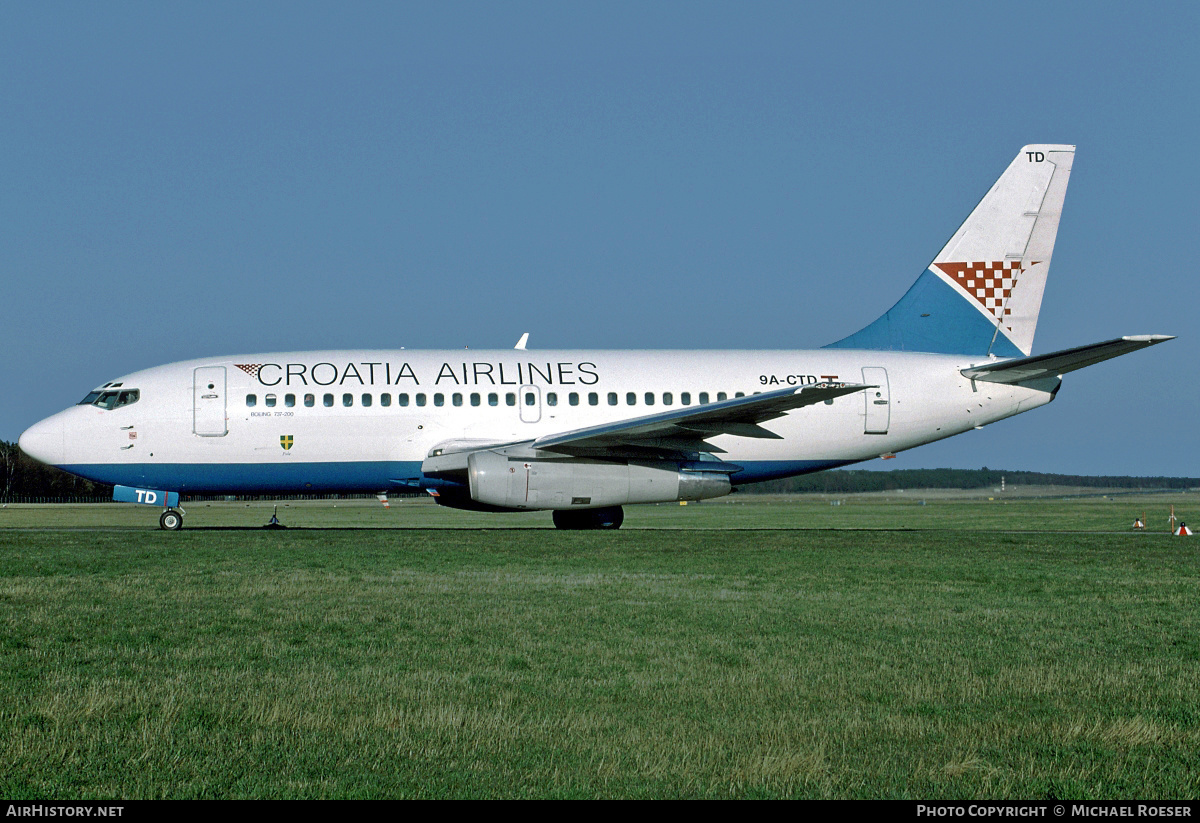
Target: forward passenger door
point(208, 401)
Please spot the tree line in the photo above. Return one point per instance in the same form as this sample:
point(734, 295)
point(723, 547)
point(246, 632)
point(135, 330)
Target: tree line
point(860, 480)
point(22, 476)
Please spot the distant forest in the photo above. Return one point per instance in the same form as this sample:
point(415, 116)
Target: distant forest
point(857, 480)
point(22, 478)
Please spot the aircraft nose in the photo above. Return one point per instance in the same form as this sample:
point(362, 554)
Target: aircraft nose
point(44, 441)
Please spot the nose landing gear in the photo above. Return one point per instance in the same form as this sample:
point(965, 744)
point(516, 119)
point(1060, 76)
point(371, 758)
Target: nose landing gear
point(171, 520)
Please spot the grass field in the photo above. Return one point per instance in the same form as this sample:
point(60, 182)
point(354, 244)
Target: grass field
point(1021, 648)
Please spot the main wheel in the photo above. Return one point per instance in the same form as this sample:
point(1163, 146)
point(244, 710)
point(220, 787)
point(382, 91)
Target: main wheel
point(171, 520)
point(608, 518)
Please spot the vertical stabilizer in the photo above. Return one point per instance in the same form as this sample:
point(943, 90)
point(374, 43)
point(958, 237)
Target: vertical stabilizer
point(983, 291)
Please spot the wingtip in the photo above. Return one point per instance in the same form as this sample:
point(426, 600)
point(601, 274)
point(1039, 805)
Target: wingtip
point(1150, 339)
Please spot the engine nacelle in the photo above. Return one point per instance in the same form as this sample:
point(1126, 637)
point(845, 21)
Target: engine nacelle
point(500, 479)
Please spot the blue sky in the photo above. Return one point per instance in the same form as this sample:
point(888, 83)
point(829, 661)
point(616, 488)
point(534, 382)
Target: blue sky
point(190, 179)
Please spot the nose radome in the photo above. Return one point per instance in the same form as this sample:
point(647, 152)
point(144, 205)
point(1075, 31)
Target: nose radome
point(44, 441)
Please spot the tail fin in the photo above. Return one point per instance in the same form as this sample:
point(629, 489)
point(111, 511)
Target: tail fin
point(982, 293)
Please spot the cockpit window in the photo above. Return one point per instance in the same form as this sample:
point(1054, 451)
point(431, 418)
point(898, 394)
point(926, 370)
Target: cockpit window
point(111, 399)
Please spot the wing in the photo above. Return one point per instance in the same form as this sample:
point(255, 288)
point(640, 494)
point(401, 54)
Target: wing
point(686, 429)
point(676, 434)
point(1024, 369)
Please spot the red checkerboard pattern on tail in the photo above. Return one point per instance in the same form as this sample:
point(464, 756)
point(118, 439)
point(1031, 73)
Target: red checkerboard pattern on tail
point(991, 284)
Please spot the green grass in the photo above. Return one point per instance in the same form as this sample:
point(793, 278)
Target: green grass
point(684, 656)
point(904, 510)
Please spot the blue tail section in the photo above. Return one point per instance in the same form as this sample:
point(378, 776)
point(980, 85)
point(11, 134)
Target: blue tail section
point(983, 291)
point(931, 317)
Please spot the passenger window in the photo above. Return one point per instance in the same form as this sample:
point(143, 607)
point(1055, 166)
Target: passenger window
point(551, 399)
point(270, 400)
point(310, 400)
point(510, 399)
point(347, 400)
point(668, 398)
point(612, 398)
point(456, 399)
point(530, 399)
point(475, 399)
point(722, 396)
point(685, 398)
point(366, 399)
point(573, 398)
point(593, 399)
point(327, 400)
point(493, 399)
point(439, 399)
point(630, 399)
point(420, 399)
point(649, 398)
point(385, 399)
point(289, 400)
point(252, 400)
point(402, 399)
point(740, 394)
point(703, 398)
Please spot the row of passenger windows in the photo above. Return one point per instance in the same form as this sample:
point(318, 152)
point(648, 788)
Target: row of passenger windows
point(493, 399)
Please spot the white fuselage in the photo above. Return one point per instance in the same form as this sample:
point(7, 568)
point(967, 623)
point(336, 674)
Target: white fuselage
point(365, 420)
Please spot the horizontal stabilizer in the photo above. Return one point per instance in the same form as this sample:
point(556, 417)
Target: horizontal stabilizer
point(1025, 369)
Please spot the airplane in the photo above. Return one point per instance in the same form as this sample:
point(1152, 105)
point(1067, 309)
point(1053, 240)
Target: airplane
point(584, 433)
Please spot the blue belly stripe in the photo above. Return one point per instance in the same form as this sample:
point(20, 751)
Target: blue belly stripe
point(323, 478)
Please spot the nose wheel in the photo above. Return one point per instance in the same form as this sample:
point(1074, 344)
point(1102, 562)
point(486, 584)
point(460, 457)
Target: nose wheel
point(171, 520)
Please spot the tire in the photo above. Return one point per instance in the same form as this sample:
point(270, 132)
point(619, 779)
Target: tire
point(607, 518)
point(610, 518)
point(170, 520)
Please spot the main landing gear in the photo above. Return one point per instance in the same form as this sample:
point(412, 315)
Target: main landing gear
point(607, 518)
point(171, 520)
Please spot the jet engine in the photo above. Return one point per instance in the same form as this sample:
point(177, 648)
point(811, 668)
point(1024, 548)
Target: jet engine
point(503, 480)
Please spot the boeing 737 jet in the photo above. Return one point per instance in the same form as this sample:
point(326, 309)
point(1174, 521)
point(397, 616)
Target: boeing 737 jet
point(583, 433)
